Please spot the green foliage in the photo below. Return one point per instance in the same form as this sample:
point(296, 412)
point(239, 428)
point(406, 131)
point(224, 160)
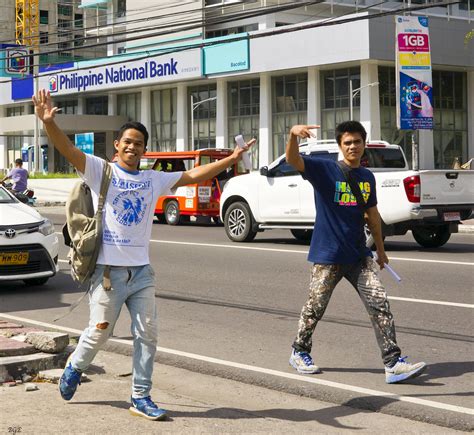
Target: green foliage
point(469, 36)
point(52, 175)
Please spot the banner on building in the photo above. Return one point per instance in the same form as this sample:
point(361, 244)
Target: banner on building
point(413, 74)
point(85, 142)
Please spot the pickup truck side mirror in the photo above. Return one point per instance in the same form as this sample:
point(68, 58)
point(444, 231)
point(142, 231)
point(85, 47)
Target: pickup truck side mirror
point(264, 171)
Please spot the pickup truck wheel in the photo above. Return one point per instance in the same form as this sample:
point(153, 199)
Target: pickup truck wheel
point(431, 236)
point(172, 214)
point(238, 222)
point(304, 235)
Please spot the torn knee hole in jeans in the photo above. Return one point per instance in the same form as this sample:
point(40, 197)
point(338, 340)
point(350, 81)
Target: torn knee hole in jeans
point(102, 325)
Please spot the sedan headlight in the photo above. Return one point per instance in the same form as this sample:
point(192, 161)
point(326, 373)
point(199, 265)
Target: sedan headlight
point(46, 228)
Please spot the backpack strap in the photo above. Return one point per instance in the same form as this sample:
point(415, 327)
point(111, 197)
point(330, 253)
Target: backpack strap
point(104, 187)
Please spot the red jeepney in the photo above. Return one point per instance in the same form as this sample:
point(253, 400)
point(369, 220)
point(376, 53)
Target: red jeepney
point(201, 199)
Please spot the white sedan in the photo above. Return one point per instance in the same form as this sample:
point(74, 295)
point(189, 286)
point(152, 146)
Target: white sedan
point(28, 244)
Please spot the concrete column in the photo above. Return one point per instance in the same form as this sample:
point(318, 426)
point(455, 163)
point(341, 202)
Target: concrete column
point(369, 100)
point(112, 109)
point(314, 96)
point(221, 114)
point(145, 108)
point(265, 130)
point(81, 105)
point(183, 102)
point(426, 149)
point(470, 115)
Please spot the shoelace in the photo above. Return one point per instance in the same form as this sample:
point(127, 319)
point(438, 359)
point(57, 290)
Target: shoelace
point(402, 359)
point(149, 403)
point(306, 357)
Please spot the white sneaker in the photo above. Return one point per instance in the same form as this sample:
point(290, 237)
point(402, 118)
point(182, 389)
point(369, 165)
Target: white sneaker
point(402, 371)
point(303, 363)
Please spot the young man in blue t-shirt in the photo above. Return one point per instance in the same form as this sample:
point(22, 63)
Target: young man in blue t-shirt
point(338, 248)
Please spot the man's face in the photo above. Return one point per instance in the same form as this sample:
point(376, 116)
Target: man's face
point(130, 148)
point(352, 147)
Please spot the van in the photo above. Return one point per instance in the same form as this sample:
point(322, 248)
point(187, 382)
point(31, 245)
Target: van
point(200, 199)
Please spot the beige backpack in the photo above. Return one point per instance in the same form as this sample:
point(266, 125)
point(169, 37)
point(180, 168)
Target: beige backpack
point(83, 229)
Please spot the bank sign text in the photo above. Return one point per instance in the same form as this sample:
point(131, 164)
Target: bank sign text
point(82, 80)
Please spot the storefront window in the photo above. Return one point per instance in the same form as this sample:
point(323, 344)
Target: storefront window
point(129, 105)
point(204, 116)
point(335, 85)
point(163, 120)
point(97, 105)
point(243, 112)
point(290, 106)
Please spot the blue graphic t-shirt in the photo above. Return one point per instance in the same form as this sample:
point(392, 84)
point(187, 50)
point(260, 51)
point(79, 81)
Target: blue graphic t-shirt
point(128, 210)
point(338, 236)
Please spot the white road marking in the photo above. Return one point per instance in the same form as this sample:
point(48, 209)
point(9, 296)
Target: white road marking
point(429, 301)
point(296, 251)
point(300, 378)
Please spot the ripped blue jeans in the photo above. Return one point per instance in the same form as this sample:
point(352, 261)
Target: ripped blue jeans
point(135, 287)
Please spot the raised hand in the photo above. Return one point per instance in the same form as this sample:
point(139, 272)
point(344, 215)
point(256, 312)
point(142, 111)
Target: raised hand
point(44, 107)
point(238, 151)
point(303, 131)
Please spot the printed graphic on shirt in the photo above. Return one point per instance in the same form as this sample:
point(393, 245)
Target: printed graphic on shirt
point(343, 195)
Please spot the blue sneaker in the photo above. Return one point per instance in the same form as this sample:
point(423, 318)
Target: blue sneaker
point(402, 371)
point(69, 381)
point(145, 407)
point(303, 363)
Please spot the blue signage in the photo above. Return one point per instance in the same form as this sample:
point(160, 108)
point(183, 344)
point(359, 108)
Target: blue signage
point(85, 142)
point(226, 57)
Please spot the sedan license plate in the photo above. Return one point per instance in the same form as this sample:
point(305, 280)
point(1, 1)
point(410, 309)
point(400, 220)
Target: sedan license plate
point(10, 258)
point(451, 216)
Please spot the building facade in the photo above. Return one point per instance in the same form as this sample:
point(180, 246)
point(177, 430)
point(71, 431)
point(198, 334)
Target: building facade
point(199, 73)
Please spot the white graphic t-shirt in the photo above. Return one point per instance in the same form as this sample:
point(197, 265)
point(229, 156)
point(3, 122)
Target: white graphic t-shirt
point(128, 210)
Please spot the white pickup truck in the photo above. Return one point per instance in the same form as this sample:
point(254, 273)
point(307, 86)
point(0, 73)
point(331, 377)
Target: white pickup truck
point(430, 203)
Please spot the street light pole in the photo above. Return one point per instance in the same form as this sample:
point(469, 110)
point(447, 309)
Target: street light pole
point(194, 105)
point(354, 92)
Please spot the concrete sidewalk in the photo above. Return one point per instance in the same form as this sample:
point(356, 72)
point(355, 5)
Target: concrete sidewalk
point(196, 403)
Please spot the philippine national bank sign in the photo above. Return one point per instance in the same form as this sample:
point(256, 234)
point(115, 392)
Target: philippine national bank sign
point(95, 76)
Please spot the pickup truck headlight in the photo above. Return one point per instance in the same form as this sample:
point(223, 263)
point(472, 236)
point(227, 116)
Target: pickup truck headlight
point(46, 228)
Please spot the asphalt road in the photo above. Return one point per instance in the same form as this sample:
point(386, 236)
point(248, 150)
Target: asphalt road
point(240, 303)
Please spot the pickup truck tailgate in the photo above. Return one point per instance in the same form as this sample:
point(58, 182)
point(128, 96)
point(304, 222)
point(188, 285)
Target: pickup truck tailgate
point(446, 187)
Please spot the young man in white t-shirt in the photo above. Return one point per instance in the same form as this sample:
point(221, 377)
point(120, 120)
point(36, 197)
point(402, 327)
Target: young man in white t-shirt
point(123, 257)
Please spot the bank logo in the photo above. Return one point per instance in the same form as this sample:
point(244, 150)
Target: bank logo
point(53, 84)
point(17, 60)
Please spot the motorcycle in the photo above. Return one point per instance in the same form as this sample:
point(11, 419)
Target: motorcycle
point(27, 196)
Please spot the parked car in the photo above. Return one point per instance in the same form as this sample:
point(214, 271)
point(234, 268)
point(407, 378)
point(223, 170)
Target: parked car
point(430, 203)
point(201, 199)
point(28, 243)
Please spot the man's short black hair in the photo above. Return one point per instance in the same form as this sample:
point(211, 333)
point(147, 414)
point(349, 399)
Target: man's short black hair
point(135, 125)
point(350, 127)
point(18, 161)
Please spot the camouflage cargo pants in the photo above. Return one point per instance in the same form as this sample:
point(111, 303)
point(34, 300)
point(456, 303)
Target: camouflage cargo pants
point(364, 277)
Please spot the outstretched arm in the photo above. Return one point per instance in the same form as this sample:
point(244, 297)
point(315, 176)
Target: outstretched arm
point(206, 172)
point(46, 112)
point(292, 149)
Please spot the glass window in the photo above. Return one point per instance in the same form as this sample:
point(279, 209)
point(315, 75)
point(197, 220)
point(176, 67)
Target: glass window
point(97, 105)
point(129, 105)
point(243, 113)
point(289, 105)
point(335, 85)
point(163, 120)
point(15, 111)
point(44, 17)
point(121, 8)
point(14, 144)
point(450, 111)
point(204, 115)
point(78, 21)
point(64, 10)
point(68, 107)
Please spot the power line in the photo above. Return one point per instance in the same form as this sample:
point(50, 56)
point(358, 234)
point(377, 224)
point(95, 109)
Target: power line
point(273, 32)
